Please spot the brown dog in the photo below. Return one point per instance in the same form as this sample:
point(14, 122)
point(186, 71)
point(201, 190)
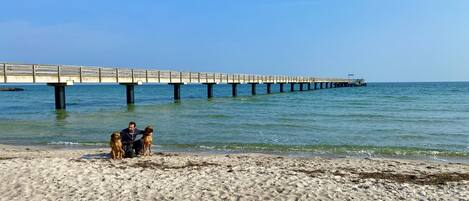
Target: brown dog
point(116, 146)
point(147, 141)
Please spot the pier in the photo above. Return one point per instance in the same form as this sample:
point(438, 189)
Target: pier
point(62, 76)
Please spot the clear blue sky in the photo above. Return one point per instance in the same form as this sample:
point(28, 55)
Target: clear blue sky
point(380, 40)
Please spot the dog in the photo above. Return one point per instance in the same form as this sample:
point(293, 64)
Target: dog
point(147, 141)
point(116, 146)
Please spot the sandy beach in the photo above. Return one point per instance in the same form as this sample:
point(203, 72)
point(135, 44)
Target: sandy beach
point(37, 173)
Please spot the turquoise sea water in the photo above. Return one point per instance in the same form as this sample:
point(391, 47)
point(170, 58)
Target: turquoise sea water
point(409, 120)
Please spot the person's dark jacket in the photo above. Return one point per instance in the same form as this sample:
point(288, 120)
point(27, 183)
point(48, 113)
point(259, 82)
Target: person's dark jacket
point(129, 138)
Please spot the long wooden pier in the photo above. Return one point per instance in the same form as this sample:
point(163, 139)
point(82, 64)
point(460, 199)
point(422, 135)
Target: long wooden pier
point(60, 76)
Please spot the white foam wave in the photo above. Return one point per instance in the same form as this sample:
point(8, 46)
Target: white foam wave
point(63, 143)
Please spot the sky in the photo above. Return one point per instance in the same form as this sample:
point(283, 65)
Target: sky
point(379, 40)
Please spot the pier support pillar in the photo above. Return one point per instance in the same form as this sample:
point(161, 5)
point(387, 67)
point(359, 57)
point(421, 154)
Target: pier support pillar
point(129, 91)
point(253, 88)
point(281, 87)
point(309, 86)
point(301, 86)
point(59, 92)
point(292, 86)
point(210, 90)
point(320, 85)
point(177, 90)
point(315, 86)
point(269, 88)
point(234, 89)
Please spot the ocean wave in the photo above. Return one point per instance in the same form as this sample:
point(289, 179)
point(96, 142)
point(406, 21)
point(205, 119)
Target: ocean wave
point(213, 116)
point(327, 149)
point(273, 125)
point(63, 143)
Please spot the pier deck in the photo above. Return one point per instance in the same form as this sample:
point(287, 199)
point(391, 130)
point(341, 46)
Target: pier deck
point(65, 75)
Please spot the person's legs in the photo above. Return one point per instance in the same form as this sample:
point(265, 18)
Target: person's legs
point(138, 146)
point(129, 152)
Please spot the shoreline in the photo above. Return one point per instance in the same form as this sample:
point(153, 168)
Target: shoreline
point(294, 154)
point(36, 173)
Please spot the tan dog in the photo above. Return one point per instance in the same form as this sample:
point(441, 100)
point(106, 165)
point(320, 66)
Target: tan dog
point(147, 141)
point(116, 146)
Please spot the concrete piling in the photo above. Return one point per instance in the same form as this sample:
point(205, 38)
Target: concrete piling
point(59, 94)
point(234, 89)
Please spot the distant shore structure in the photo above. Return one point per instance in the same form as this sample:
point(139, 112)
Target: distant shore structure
point(60, 76)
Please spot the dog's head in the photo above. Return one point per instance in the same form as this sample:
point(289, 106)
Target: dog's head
point(148, 131)
point(116, 136)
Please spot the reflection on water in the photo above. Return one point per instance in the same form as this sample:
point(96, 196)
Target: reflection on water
point(61, 115)
point(130, 107)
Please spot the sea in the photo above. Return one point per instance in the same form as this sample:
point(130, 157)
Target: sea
point(424, 121)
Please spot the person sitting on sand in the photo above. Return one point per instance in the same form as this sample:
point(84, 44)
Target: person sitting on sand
point(130, 145)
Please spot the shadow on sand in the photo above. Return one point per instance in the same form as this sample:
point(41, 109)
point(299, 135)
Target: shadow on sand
point(96, 156)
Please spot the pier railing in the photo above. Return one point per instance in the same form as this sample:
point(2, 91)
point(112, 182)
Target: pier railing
point(60, 76)
point(41, 73)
